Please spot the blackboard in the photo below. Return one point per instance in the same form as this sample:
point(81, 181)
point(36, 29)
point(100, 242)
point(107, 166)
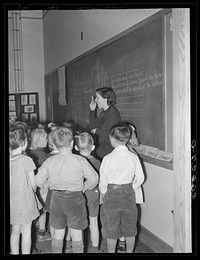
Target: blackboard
point(83, 77)
point(133, 65)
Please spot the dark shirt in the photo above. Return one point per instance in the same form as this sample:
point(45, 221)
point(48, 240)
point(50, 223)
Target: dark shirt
point(103, 123)
point(38, 155)
point(94, 162)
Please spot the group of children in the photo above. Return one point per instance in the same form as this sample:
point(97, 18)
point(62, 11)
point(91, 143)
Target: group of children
point(55, 171)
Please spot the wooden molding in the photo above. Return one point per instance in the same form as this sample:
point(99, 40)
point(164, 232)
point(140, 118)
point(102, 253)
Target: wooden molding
point(156, 244)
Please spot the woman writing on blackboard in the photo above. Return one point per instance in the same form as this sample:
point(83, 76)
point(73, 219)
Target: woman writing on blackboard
point(100, 125)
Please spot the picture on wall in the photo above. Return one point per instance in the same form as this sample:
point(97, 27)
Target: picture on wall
point(24, 100)
point(28, 109)
point(12, 105)
point(33, 118)
point(12, 115)
point(32, 99)
point(24, 117)
point(11, 97)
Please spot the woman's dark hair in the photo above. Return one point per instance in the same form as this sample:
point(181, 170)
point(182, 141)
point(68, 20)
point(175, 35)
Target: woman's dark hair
point(121, 132)
point(108, 93)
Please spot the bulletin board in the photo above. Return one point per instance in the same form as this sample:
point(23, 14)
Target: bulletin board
point(133, 65)
point(24, 106)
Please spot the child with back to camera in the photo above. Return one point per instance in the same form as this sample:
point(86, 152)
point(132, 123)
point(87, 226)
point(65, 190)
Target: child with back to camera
point(65, 173)
point(118, 213)
point(132, 145)
point(24, 205)
point(84, 143)
point(25, 126)
point(52, 151)
point(38, 141)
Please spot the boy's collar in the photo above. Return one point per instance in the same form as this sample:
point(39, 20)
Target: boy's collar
point(121, 147)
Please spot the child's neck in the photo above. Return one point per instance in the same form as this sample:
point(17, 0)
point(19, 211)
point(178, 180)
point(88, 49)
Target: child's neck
point(85, 153)
point(17, 151)
point(115, 145)
point(65, 150)
point(105, 107)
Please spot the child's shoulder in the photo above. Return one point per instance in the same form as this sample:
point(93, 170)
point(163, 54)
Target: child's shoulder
point(22, 159)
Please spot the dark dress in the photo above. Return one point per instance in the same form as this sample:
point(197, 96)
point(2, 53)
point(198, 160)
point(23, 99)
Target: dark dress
point(103, 123)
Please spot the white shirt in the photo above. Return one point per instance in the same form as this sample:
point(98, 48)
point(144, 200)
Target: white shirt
point(121, 166)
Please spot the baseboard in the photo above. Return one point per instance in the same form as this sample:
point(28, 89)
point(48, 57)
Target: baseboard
point(156, 244)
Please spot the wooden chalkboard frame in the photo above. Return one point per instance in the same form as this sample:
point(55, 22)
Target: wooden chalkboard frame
point(159, 15)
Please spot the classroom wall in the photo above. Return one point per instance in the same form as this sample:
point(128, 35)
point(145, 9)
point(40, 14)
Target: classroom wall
point(157, 209)
point(62, 31)
point(32, 55)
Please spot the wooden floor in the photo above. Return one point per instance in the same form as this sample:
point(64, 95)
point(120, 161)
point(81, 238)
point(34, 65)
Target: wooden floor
point(45, 246)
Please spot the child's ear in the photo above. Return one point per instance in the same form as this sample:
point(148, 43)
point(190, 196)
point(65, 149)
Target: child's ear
point(76, 148)
point(93, 147)
point(72, 143)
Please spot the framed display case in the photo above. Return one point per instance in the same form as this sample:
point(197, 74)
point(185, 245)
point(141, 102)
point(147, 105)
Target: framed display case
point(24, 107)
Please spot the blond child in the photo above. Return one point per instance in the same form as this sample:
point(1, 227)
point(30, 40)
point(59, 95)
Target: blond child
point(24, 205)
point(38, 141)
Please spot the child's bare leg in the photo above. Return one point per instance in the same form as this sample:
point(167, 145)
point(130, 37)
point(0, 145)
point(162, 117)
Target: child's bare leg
point(68, 236)
point(26, 238)
point(42, 221)
point(94, 231)
point(52, 231)
point(43, 235)
point(14, 239)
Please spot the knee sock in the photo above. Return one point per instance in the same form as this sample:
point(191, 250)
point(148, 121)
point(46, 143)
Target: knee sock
point(111, 245)
point(68, 244)
point(130, 243)
point(42, 232)
point(122, 239)
point(122, 243)
point(94, 249)
point(56, 245)
point(77, 246)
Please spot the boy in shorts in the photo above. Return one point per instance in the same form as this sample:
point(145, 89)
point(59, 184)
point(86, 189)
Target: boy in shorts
point(84, 143)
point(65, 173)
point(120, 174)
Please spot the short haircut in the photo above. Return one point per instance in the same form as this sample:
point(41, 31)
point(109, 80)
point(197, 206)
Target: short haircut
point(38, 136)
point(84, 141)
point(121, 132)
point(16, 138)
point(108, 93)
point(20, 124)
point(62, 137)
